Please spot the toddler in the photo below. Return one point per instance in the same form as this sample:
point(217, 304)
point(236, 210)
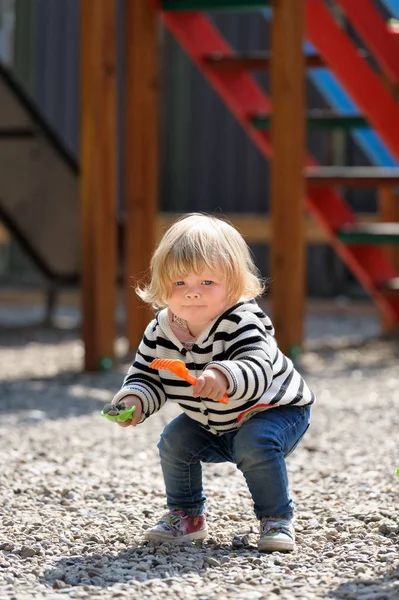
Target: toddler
point(204, 283)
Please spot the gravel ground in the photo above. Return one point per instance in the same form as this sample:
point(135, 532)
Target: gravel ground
point(76, 491)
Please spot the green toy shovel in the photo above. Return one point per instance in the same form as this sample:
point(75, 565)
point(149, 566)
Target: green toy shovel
point(117, 412)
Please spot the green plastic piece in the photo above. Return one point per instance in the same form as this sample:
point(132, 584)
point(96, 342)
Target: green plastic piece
point(359, 238)
point(295, 352)
point(375, 233)
point(314, 122)
point(122, 417)
point(209, 5)
point(106, 363)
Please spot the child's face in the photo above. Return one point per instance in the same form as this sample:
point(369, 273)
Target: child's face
point(198, 298)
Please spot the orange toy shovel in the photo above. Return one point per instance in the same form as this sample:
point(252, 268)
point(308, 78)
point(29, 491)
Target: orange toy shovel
point(179, 368)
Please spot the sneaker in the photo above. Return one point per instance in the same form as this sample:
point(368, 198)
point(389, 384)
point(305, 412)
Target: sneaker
point(276, 534)
point(176, 525)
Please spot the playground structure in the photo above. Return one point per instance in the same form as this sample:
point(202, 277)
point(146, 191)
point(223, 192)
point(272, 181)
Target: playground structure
point(278, 133)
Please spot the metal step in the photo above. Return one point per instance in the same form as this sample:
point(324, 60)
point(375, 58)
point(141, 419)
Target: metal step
point(390, 286)
point(259, 61)
point(17, 133)
point(318, 119)
point(210, 5)
point(253, 61)
point(369, 233)
point(355, 177)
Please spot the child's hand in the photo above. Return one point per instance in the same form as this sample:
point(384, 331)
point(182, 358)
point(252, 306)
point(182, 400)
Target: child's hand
point(129, 401)
point(211, 384)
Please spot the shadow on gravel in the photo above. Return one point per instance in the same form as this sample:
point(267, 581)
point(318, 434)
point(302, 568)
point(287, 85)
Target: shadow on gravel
point(68, 394)
point(15, 337)
point(347, 357)
point(142, 563)
point(381, 588)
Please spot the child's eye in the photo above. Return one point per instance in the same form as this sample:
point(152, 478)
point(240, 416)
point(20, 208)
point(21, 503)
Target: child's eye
point(207, 282)
point(179, 283)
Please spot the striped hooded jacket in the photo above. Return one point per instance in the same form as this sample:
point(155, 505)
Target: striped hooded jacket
point(241, 344)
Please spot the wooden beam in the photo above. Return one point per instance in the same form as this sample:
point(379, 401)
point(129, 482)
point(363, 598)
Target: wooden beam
point(287, 173)
point(4, 235)
point(141, 156)
point(258, 228)
point(98, 179)
point(388, 204)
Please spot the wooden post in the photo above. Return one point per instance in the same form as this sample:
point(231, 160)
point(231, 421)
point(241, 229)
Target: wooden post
point(287, 178)
point(141, 156)
point(388, 205)
point(98, 181)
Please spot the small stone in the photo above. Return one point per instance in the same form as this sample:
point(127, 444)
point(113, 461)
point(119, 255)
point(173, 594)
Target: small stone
point(57, 574)
point(59, 584)
point(211, 561)
point(8, 546)
point(27, 552)
point(387, 528)
point(237, 542)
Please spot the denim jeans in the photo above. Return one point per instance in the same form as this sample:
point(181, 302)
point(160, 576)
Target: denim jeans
point(258, 448)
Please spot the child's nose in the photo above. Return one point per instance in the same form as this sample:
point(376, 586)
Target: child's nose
point(192, 294)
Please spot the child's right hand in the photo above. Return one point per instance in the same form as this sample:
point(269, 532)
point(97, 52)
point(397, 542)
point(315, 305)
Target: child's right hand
point(129, 401)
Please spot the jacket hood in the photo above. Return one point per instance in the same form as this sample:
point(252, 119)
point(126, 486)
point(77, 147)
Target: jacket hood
point(253, 307)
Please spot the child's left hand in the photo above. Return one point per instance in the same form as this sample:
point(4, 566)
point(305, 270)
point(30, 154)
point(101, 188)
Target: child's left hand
point(211, 384)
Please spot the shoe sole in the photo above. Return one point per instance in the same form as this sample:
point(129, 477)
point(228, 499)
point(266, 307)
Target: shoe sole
point(196, 535)
point(275, 546)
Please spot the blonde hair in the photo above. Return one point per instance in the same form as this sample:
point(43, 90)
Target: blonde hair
point(196, 242)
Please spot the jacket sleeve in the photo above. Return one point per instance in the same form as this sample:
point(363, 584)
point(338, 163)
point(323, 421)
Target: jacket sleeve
point(143, 381)
point(250, 352)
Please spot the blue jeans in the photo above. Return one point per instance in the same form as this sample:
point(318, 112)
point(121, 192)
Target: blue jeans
point(258, 448)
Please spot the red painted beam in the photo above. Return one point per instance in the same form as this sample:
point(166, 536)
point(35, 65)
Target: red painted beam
point(340, 54)
point(369, 23)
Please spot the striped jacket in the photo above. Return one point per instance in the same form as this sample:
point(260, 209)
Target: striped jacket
point(241, 344)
